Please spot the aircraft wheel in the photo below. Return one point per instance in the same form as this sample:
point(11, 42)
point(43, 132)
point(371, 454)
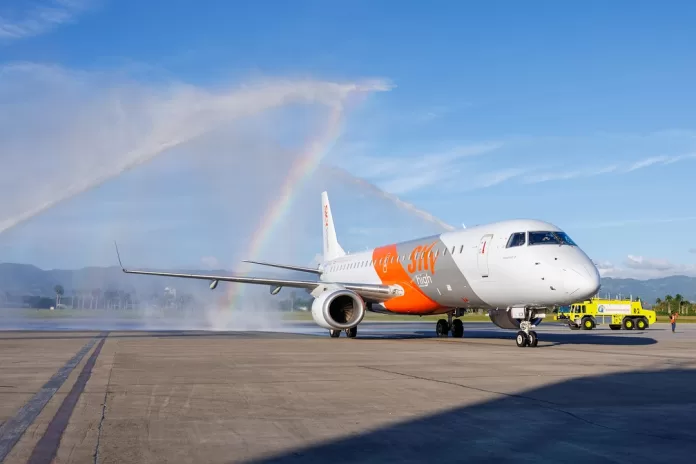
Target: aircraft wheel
point(533, 339)
point(457, 328)
point(352, 332)
point(441, 328)
point(521, 339)
point(334, 333)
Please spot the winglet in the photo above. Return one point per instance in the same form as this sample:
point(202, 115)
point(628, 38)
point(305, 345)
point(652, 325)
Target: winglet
point(118, 255)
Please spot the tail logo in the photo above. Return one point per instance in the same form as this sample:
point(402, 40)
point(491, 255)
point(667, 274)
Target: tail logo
point(326, 215)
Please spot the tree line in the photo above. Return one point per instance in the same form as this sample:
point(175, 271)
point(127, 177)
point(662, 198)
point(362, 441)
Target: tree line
point(674, 304)
point(99, 299)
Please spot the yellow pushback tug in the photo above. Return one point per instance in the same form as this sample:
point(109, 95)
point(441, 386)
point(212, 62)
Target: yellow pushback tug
point(619, 314)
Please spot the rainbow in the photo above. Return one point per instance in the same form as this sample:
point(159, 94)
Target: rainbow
point(312, 154)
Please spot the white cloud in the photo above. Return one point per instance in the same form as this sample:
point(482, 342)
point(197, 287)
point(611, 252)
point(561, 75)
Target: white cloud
point(36, 19)
point(369, 187)
point(630, 222)
point(64, 132)
point(545, 176)
point(639, 262)
point(565, 175)
point(490, 179)
point(413, 172)
point(658, 160)
point(639, 267)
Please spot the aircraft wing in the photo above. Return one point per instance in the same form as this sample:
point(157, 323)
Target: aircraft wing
point(286, 266)
point(370, 292)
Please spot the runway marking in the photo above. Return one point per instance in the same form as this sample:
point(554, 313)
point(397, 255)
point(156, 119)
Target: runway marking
point(47, 447)
point(12, 430)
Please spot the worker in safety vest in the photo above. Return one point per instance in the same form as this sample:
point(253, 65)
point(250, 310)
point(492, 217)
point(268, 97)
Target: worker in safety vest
point(673, 321)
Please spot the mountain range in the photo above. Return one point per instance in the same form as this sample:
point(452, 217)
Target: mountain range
point(25, 279)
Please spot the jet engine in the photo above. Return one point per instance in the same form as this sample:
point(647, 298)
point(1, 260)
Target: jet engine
point(510, 319)
point(338, 309)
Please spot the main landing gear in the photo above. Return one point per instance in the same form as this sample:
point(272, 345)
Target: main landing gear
point(443, 327)
point(526, 337)
point(350, 333)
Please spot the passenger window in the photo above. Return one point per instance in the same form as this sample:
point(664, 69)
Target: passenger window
point(516, 239)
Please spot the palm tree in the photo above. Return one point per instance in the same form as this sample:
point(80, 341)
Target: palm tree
point(60, 291)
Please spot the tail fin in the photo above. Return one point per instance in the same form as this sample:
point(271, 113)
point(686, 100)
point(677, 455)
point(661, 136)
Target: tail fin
point(332, 249)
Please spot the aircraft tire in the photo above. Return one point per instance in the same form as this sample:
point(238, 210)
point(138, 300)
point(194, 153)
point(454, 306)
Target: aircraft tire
point(457, 328)
point(352, 332)
point(334, 333)
point(441, 328)
point(533, 339)
point(521, 339)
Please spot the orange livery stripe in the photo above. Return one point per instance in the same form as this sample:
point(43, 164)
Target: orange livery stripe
point(390, 271)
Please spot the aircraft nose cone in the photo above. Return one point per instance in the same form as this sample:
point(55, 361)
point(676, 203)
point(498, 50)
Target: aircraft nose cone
point(581, 283)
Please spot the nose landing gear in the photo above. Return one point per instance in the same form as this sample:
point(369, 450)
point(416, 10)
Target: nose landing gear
point(526, 337)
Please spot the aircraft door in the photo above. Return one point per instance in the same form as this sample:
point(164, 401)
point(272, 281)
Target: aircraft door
point(483, 252)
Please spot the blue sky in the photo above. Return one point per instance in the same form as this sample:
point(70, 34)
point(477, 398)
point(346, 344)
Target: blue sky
point(579, 114)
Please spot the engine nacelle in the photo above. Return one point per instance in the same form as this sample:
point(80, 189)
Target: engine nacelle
point(508, 319)
point(338, 309)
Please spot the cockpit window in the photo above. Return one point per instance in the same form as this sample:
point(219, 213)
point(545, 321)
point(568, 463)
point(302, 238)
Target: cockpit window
point(543, 238)
point(565, 239)
point(550, 238)
point(516, 239)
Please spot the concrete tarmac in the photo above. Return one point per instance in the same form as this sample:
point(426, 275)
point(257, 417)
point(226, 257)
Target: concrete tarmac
point(394, 394)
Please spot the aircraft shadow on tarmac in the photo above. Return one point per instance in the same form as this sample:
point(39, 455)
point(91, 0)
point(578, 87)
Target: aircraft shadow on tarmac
point(554, 339)
point(644, 416)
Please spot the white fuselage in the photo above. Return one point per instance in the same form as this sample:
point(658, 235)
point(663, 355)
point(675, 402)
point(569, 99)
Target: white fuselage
point(475, 267)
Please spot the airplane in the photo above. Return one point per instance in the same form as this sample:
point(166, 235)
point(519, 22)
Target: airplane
point(517, 270)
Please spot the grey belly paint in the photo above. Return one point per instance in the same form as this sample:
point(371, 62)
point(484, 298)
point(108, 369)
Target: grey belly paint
point(433, 273)
point(12, 430)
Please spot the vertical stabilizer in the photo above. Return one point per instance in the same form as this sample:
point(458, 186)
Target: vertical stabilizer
point(332, 249)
